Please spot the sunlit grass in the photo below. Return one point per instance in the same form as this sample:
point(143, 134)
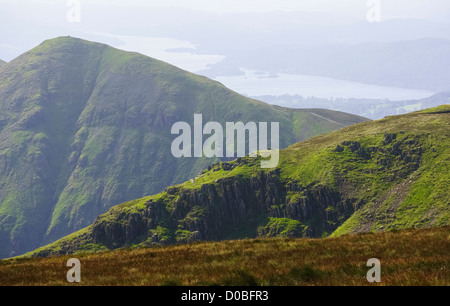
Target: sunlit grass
point(411, 257)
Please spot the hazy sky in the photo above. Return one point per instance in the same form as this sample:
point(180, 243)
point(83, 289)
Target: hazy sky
point(393, 8)
point(390, 8)
point(23, 21)
point(135, 24)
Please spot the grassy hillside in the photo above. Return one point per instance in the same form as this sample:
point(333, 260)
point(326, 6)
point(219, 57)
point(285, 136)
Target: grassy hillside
point(389, 174)
point(84, 126)
point(396, 170)
point(407, 258)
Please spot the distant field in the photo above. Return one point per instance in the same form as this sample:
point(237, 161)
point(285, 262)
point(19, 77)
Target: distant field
point(410, 257)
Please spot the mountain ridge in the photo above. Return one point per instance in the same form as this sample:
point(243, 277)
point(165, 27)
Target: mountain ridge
point(388, 174)
point(84, 126)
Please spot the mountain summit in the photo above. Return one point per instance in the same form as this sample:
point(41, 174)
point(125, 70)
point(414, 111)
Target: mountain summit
point(84, 126)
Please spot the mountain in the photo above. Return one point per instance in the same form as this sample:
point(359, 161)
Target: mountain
point(382, 175)
point(84, 126)
point(2, 63)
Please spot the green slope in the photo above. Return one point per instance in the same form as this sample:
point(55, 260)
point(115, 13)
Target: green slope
point(84, 126)
point(375, 176)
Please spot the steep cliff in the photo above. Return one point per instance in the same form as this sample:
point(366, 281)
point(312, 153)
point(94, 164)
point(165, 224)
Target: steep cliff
point(231, 207)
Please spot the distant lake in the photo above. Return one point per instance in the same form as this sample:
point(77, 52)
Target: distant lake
point(255, 83)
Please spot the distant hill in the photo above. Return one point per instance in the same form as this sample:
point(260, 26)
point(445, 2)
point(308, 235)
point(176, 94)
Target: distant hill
point(369, 108)
point(416, 64)
point(84, 126)
point(2, 63)
point(376, 176)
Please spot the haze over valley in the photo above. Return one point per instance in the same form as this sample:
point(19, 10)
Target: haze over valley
point(326, 50)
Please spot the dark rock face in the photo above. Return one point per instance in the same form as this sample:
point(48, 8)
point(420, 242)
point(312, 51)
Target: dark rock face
point(388, 138)
point(225, 209)
point(114, 234)
point(339, 149)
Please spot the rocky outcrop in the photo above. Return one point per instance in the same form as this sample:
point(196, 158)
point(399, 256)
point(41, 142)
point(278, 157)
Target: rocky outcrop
point(230, 207)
